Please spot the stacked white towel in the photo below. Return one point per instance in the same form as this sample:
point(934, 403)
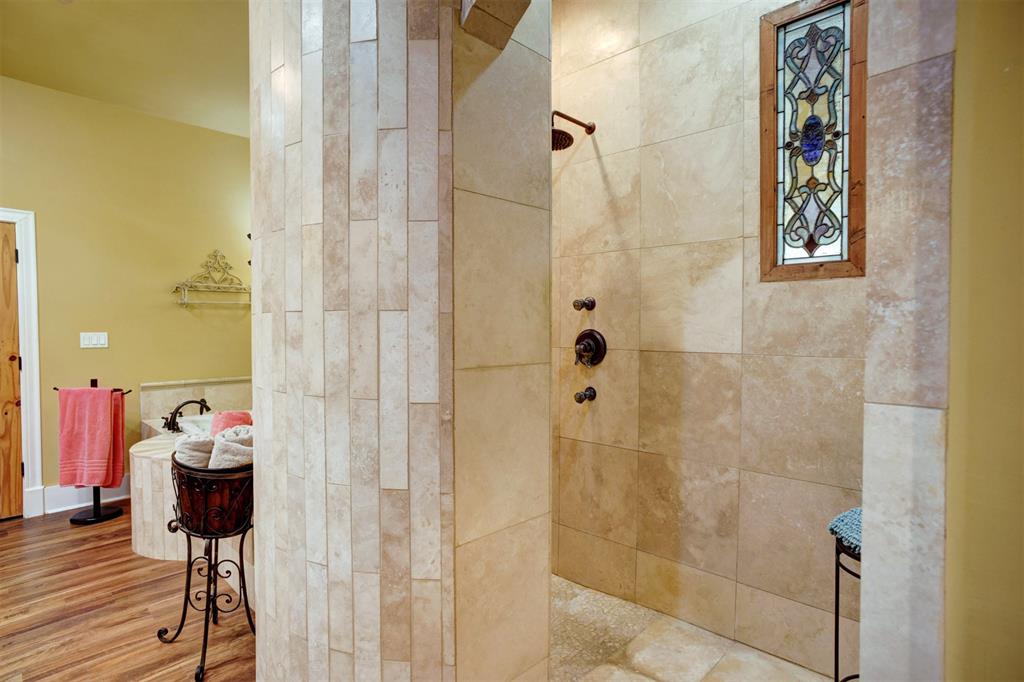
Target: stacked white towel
point(232, 448)
point(194, 449)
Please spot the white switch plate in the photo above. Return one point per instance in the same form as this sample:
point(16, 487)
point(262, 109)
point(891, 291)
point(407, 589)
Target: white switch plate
point(92, 340)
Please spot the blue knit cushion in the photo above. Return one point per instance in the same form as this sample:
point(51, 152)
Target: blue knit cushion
point(846, 527)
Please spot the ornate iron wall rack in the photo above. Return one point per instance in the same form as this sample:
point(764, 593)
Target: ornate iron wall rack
point(215, 278)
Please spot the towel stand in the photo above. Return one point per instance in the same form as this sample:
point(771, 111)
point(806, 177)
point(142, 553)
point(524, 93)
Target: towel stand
point(97, 513)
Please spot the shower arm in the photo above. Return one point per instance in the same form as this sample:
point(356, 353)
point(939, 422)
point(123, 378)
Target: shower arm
point(589, 127)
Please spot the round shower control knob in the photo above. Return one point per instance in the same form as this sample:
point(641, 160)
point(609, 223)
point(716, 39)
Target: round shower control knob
point(587, 303)
point(589, 393)
point(590, 348)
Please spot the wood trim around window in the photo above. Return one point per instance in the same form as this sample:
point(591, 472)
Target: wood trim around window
point(771, 271)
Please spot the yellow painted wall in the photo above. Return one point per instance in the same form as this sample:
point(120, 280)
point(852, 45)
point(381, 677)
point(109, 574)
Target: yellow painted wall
point(126, 205)
point(985, 540)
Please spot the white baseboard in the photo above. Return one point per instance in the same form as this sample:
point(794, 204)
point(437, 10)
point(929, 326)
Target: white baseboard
point(58, 498)
point(32, 504)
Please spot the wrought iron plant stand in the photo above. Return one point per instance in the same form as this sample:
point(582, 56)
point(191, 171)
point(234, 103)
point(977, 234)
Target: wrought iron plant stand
point(211, 504)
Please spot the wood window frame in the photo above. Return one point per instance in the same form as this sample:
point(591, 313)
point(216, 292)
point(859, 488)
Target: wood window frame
point(854, 266)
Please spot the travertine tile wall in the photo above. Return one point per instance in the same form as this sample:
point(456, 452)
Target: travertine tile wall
point(910, 112)
point(728, 426)
point(352, 306)
point(502, 350)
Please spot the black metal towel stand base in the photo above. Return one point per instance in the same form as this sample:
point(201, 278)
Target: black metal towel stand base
point(97, 513)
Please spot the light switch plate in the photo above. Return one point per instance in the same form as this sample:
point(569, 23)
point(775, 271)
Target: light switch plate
point(92, 340)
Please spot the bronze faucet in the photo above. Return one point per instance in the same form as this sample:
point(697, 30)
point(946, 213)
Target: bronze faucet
point(171, 421)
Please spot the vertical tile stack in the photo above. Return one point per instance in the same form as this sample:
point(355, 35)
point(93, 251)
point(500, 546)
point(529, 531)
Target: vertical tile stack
point(352, 214)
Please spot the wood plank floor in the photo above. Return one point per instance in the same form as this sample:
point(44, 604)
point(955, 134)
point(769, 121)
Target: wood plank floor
point(77, 604)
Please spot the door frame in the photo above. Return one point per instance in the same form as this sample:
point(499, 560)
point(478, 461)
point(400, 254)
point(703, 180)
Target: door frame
point(28, 340)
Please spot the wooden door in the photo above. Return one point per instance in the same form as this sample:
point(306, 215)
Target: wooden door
point(10, 379)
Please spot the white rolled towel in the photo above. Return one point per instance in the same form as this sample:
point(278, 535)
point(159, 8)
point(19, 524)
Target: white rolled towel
point(232, 448)
point(194, 449)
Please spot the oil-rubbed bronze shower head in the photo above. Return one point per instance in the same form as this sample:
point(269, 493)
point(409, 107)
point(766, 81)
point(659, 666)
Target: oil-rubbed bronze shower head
point(560, 139)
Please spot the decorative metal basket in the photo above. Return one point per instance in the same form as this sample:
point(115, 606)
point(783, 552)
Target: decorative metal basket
point(212, 503)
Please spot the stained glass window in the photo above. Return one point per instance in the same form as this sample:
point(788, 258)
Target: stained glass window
point(809, 140)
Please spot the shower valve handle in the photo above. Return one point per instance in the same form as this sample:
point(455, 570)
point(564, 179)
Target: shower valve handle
point(590, 348)
point(585, 351)
point(587, 303)
point(589, 393)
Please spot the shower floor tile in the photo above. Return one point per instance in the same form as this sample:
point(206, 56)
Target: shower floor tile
point(599, 638)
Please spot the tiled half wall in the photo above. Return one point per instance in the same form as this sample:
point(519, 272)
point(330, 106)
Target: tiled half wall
point(400, 342)
point(728, 426)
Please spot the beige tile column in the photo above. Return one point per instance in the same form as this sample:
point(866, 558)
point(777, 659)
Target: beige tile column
point(502, 358)
point(351, 158)
point(910, 97)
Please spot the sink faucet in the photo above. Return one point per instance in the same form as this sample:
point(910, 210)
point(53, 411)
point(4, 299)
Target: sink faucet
point(171, 421)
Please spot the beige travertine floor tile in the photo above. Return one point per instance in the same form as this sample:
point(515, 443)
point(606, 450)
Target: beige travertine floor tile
point(597, 490)
point(613, 281)
point(613, 673)
point(785, 547)
point(743, 664)
point(600, 638)
point(690, 406)
point(674, 651)
point(588, 627)
point(803, 418)
point(688, 511)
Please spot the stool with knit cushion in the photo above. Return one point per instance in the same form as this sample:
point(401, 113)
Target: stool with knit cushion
point(846, 529)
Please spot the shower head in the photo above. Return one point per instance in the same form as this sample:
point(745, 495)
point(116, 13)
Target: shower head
point(562, 140)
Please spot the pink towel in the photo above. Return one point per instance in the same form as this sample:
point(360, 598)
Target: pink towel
point(225, 420)
point(91, 437)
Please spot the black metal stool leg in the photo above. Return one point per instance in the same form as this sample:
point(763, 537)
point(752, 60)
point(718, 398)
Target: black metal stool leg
point(211, 570)
point(242, 587)
point(162, 632)
point(836, 629)
point(840, 566)
point(216, 575)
